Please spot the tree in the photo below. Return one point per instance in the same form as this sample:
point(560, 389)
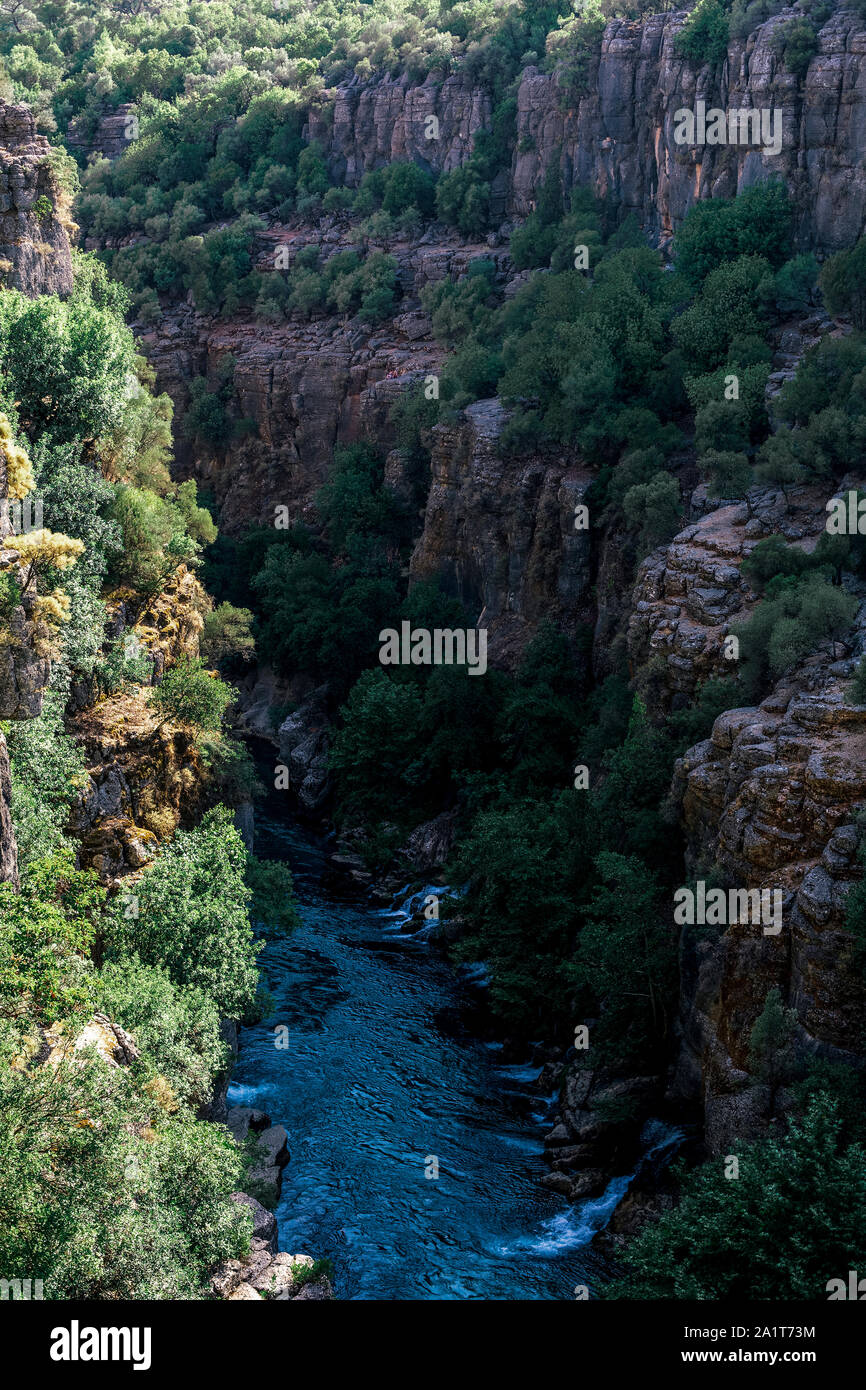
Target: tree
point(188, 694)
point(175, 1027)
point(772, 1055)
point(69, 362)
point(793, 1219)
point(656, 508)
point(728, 474)
point(376, 754)
point(155, 538)
point(843, 283)
point(527, 864)
point(192, 915)
point(626, 955)
point(227, 633)
point(756, 222)
point(704, 36)
point(797, 43)
point(795, 616)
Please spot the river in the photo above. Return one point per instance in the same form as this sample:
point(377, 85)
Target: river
point(382, 1074)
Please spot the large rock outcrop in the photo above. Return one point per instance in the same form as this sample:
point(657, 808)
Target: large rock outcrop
point(689, 594)
point(619, 136)
point(616, 134)
point(499, 531)
point(770, 801)
point(305, 386)
point(34, 214)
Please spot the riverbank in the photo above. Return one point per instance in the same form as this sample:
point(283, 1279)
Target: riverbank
point(417, 1146)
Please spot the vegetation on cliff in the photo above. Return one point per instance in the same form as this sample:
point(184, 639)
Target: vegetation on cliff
point(110, 1003)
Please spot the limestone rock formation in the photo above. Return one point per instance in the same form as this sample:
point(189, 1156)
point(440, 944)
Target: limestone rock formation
point(306, 386)
point(378, 122)
point(689, 593)
point(770, 801)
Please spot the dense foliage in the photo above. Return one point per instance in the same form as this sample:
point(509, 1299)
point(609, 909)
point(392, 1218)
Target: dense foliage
point(110, 1184)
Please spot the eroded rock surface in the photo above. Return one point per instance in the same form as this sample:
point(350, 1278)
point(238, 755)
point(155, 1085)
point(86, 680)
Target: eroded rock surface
point(34, 216)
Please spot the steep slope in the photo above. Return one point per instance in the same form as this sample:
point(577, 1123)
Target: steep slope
point(617, 132)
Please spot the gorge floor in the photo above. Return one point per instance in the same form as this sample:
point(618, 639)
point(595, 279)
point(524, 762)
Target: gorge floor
point(380, 1073)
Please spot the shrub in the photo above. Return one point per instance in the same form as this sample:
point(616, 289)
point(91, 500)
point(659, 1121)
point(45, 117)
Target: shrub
point(176, 1027)
point(796, 615)
point(192, 915)
point(843, 283)
point(655, 507)
point(797, 43)
point(727, 474)
point(227, 633)
point(704, 36)
point(757, 222)
point(188, 694)
point(793, 1220)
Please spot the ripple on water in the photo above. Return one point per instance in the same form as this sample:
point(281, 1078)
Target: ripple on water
point(375, 1084)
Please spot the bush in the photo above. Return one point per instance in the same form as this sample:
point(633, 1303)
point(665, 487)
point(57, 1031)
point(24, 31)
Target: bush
point(48, 772)
point(757, 222)
point(192, 915)
point(797, 43)
point(773, 557)
point(655, 507)
point(176, 1027)
point(188, 694)
point(227, 634)
point(843, 283)
point(795, 617)
point(155, 539)
point(704, 36)
point(793, 1220)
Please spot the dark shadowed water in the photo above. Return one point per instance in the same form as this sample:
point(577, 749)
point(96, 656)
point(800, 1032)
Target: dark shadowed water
point(380, 1074)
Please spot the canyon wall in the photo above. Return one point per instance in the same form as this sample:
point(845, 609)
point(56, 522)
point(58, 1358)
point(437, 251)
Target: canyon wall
point(617, 133)
point(34, 217)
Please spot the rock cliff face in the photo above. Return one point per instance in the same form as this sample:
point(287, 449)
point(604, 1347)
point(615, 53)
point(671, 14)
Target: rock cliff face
point(307, 387)
point(144, 777)
point(769, 801)
point(500, 534)
point(375, 123)
point(690, 593)
point(34, 222)
point(617, 133)
point(619, 137)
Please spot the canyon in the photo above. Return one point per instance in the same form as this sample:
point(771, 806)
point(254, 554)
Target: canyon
point(771, 799)
point(758, 800)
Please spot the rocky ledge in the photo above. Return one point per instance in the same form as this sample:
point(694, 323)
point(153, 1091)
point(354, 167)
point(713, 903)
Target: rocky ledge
point(266, 1272)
